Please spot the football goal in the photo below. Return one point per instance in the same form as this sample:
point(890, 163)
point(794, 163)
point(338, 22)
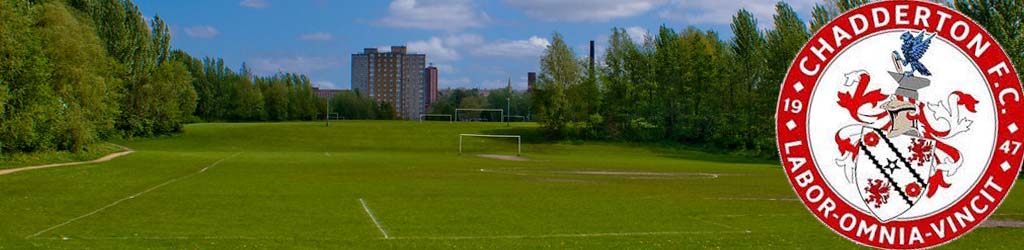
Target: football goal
point(479, 115)
point(519, 140)
point(435, 117)
point(515, 118)
point(332, 116)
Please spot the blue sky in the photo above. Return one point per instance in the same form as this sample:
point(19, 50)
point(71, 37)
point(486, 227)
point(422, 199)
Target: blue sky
point(475, 44)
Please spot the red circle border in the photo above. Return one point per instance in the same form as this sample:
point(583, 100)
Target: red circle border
point(1001, 172)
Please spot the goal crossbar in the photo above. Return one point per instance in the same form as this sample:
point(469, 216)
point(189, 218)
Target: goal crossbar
point(436, 115)
point(501, 111)
point(519, 141)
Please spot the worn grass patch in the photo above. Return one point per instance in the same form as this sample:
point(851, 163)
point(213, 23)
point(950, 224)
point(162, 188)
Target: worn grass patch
point(91, 152)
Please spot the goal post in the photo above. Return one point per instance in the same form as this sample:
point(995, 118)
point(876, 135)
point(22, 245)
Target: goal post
point(519, 141)
point(501, 112)
point(424, 116)
point(330, 116)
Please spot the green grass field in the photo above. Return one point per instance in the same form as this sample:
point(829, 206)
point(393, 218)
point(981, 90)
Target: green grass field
point(302, 186)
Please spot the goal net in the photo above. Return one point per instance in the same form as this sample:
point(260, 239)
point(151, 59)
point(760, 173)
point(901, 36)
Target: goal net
point(332, 116)
point(490, 144)
point(515, 118)
point(436, 117)
point(479, 115)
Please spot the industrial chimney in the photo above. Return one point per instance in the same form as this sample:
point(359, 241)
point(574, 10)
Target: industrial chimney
point(591, 55)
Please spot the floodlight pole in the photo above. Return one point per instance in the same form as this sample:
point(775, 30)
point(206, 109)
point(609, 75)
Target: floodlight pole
point(508, 99)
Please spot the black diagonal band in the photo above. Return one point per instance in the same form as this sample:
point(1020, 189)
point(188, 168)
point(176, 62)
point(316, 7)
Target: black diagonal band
point(895, 185)
point(902, 159)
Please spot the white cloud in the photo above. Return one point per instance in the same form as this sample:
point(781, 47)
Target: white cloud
point(202, 31)
point(325, 85)
point(256, 4)
point(637, 34)
point(583, 10)
point(435, 50)
point(319, 37)
point(721, 12)
point(445, 49)
point(463, 40)
point(297, 64)
point(450, 15)
point(531, 47)
point(445, 68)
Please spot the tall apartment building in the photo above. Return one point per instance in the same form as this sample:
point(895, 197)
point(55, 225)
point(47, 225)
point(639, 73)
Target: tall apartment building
point(396, 77)
point(431, 86)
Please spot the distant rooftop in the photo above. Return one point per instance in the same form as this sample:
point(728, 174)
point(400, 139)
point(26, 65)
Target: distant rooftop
point(394, 49)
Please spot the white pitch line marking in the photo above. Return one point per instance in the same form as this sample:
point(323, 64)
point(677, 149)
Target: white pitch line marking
point(167, 238)
point(484, 237)
point(585, 235)
point(374, 218)
point(756, 199)
point(115, 203)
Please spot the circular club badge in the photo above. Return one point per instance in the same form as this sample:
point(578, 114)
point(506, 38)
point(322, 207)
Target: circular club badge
point(899, 124)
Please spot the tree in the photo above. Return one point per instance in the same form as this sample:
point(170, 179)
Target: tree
point(619, 100)
point(276, 96)
point(28, 100)
point(830, 9)
point(669, 73)
point(747, 47)
point(784, 41)
point(1004, 19)
point(558, 71)
point(82, 78)
point(166, 102)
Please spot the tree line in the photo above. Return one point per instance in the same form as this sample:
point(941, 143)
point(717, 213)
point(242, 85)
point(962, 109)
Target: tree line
point(692, 87)
point(351, 104)
point(75, 72)
point(515, 103)
point(226, 95)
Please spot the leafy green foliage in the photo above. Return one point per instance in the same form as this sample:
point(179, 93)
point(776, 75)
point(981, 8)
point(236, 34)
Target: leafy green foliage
point(29, 99)
point(559, 72)
point(75, 72)
point(82, 78)
point(354, 105)
point(689, 86)
point(1004, 19)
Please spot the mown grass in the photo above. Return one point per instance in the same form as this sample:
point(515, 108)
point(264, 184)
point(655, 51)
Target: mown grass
point(90, 152)
point(298, 185)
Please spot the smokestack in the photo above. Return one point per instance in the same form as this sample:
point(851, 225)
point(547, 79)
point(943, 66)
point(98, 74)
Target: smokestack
point(531, 80)
point(591, 55)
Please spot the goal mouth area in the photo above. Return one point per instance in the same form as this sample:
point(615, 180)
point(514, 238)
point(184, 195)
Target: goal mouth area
point(436, 117)
point(481, 115)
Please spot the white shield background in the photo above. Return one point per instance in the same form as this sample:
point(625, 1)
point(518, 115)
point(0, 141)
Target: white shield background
point(880, 162)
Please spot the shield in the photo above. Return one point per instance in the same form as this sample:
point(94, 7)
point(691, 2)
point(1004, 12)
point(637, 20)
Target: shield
point(892, 173)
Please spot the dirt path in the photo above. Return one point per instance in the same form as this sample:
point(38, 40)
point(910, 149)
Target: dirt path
point(109, 157)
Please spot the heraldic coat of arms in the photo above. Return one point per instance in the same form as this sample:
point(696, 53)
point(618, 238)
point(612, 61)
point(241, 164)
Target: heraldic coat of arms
point(895, 154)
